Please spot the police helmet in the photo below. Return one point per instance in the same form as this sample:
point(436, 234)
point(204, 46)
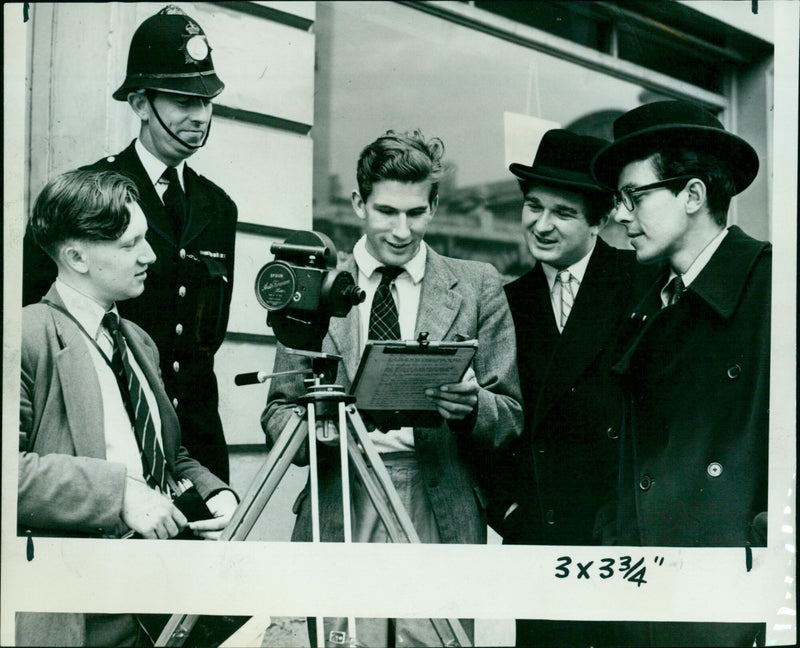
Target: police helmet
point(169, 52)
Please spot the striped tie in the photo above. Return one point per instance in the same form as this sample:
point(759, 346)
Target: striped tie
point(153, 464)
point(566, 298)
point(384, 323)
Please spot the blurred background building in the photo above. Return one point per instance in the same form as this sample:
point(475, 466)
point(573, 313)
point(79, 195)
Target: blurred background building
point(308, 84)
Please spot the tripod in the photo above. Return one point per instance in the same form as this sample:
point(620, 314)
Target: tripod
point(334, 410)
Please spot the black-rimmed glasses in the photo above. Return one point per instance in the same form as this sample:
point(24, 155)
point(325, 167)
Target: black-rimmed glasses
point(626, 194)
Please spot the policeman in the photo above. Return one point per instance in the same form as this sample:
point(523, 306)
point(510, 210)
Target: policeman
point(169, 84)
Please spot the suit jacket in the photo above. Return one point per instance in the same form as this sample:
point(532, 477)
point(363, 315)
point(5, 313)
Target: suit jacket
point(564, 465)
point(66, 485)
point(186, 301)
point(458, 298)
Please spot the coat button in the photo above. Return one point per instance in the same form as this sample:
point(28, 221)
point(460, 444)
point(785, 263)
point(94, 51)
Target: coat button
point(176, 366)
point(612, 433)
point(645, 482)
point(175, 403)
point(182, 291)
point(179, 329)
point(540, 450)
point(550, 516)
point(182, 253)
point(734, 371)
point(111, 158)
point(714, 469)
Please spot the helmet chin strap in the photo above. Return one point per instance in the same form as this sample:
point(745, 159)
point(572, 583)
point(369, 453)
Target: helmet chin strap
point(173, 135)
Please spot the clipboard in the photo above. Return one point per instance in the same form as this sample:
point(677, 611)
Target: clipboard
point(392, 377)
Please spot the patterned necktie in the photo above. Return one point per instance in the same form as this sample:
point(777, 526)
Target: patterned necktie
point(565, 296)
point(153, 463)
point(175, 200)
point(675, 290)
point(383, 321)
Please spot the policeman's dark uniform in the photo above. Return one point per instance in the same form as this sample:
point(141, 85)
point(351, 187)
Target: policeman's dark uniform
point(187, 296)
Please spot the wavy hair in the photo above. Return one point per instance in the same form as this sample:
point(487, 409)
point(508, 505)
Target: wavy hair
point(403, 157)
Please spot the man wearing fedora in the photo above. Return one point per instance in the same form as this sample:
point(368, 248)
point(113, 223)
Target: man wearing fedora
point(695, 367)
point(191, 222)
point(548, 487)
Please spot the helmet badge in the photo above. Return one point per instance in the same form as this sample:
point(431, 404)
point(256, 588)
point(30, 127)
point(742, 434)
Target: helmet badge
point(196, 48)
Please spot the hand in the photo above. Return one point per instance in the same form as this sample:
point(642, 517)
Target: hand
point(457, 400)
point(222, 506)
point(149, 513)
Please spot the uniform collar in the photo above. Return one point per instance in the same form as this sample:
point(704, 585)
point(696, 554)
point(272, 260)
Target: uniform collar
point(154, 167)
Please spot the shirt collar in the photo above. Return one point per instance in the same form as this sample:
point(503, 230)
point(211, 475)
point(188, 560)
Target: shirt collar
point(577, 270)
point(153, 166)
point(368, 264)
point(83, 308)
point(697, 265)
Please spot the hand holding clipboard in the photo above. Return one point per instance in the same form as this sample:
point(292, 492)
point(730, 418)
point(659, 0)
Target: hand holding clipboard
point(399, 383)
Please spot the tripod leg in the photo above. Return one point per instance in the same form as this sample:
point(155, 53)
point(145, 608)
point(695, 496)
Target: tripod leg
point(445, 628)
point(377, 495)
point(383, 476)
point(346, 518)
point(313, 477)
point(269, 476)
point(247, 513)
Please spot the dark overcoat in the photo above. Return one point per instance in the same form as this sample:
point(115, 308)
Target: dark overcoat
point(693, 466)
point(186, 301)
point(565, 462)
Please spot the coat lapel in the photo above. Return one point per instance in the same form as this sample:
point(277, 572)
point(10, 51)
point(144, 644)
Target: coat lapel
point(592, 320)
point(79, 385)
point(438, 302)
point(157, 218)
point(200, 213)
point(344, 331)
point(537, 335)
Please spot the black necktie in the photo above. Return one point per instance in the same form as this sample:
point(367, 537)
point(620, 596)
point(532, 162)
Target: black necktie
point(675, 289)
point(383, 321)
point(175, 200)
point(153, 464)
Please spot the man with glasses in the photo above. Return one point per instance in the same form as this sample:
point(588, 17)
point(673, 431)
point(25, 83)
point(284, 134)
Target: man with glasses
point(695, 362)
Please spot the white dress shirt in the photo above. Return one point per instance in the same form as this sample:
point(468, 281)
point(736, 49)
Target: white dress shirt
point(155, 169)
point(577, 270)
point(406, 291)
point(120, 437)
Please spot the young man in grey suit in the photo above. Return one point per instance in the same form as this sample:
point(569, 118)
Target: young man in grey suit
point(435, 470)
point(547, 488)
point(100, 445)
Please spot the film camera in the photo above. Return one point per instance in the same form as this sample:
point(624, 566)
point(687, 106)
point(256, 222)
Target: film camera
point(302, 290)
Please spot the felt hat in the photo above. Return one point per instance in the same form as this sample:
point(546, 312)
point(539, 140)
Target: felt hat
point(562, 159)
point(644, 129)
point(170, 52)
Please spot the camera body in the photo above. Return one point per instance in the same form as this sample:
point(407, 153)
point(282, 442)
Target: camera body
point(302, 289)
